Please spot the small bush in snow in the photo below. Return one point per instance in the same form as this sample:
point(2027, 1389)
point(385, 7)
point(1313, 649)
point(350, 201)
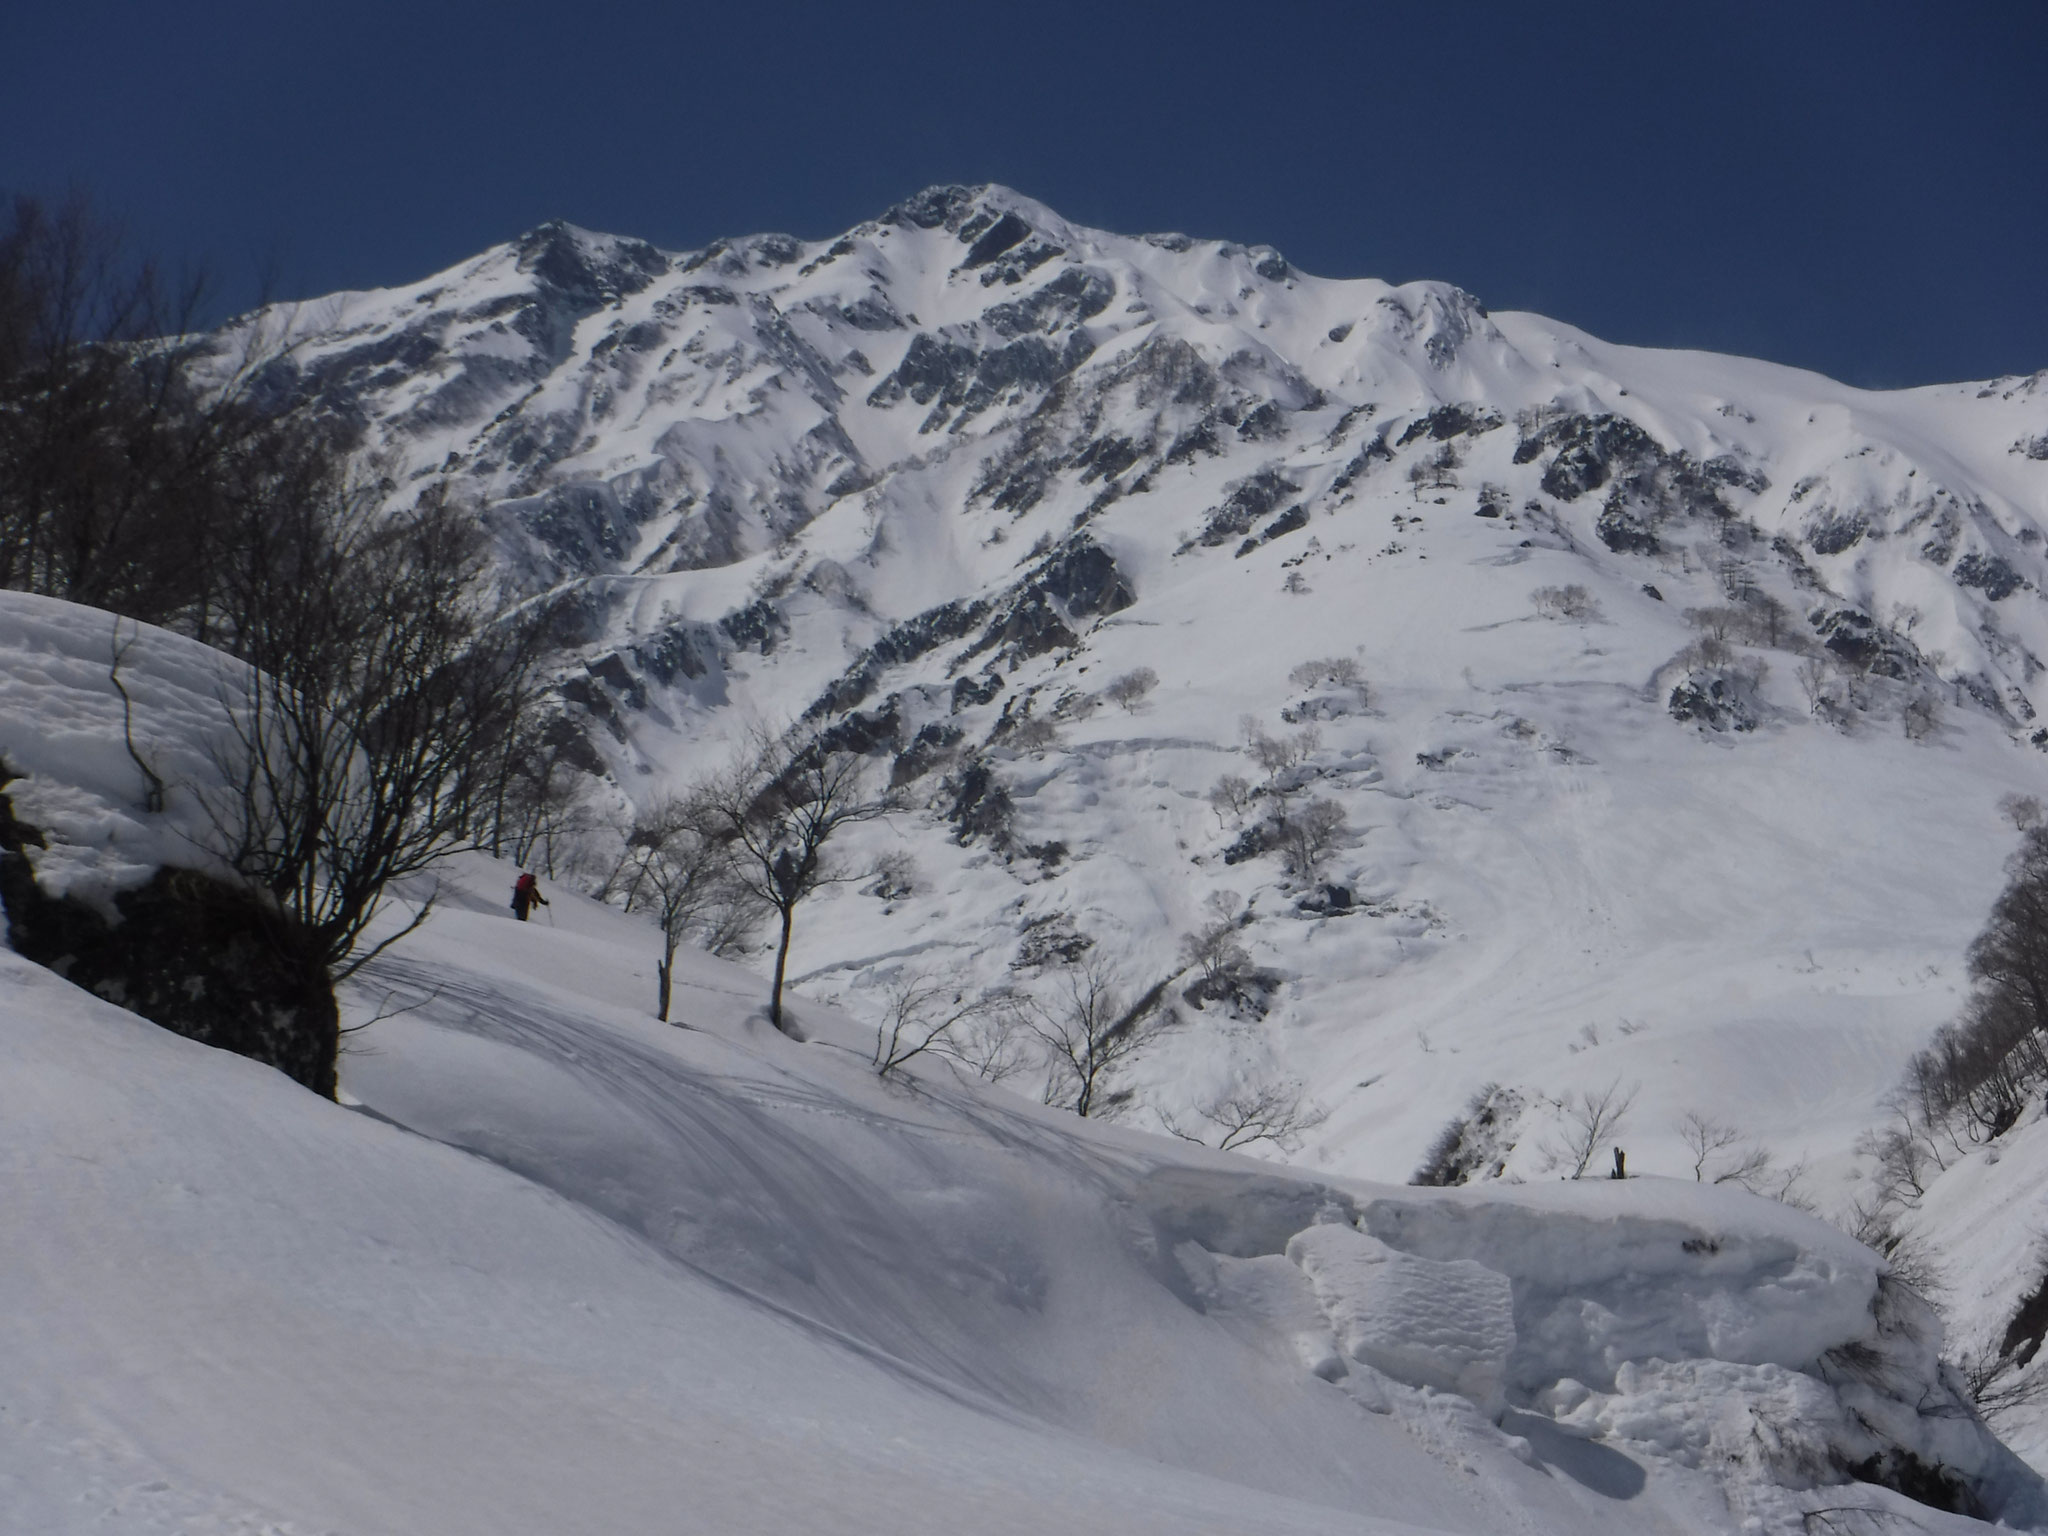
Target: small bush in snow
point(1310, 833)
point(1572, 602)
point(1028, 733)
point(1276, 754)
point(1720, 624)
point(2023, 811)
point(1329, 671)
point(1921, 715)
point(1129, 691)
point(1232, 796)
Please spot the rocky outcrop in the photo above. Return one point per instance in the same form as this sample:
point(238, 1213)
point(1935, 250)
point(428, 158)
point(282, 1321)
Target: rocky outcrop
point(206, 959)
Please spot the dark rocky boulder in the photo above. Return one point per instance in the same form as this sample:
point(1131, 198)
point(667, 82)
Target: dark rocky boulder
point(206, 959)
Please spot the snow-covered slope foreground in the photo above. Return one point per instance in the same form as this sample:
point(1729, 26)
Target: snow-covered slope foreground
point(1984, 1221)
point(944, 478)
point(558, 1267)
point(570, 1270)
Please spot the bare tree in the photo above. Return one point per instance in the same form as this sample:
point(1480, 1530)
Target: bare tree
point(1214, 951)
point(372, 730)
point(1276, 754)
point(1331, 671)
point(1232, 796)
point(1770, 620)
point(1707, 1139)
point(684, 872)
point(2023, 811)
point(1129, 691)
point(1310, 833)
point(1278, 1112)
point(922, 1015)
point(993, 1045)
point(1089, 1031)
point(779, 807)
point(1718, 623)
point(1921, 715)
point(1814, 675)
point(1030, 733)
point(1589, 1120)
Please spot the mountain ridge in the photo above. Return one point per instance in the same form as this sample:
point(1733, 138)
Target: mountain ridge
point(930, 482)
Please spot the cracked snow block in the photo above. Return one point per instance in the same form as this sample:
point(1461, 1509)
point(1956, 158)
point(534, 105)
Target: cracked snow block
point(1446, 1324)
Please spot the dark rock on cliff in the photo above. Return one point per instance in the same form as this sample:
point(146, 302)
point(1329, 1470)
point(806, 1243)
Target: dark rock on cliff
point(206, 959)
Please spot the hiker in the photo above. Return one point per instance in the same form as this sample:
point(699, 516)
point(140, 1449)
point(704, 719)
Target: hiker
point(526, 895)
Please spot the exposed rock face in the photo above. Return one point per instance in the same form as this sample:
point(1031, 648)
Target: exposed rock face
point(205, 959)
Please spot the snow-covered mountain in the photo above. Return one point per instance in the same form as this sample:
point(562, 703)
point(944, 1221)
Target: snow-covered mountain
point(554, 1266)
point(940, 480)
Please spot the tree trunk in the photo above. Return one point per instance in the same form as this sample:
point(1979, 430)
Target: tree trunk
point(664, 974)
point(781, 962)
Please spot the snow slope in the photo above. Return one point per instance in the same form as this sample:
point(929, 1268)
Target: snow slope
point(558, 1267)
point(962, 465)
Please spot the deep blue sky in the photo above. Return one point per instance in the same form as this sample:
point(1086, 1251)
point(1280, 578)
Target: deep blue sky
point(1859, 188)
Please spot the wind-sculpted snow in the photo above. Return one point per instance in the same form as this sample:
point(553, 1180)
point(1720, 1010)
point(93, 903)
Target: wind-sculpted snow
point(934, 482)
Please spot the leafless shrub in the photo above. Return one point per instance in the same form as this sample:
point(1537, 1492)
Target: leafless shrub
point(1711, 1142)
point(1232, 796)
point(1705, 654)
point(1815, 681)
point(2000, 1384)
point(1717, 623)
point(1088, 1030)
point(1029, 733)
point(994, 1045)
point(894, 876)
point(1278, 1112)
point(1588, 1121)
point(922, 1014)
point(1771, 621)
point(1129, 690)
point(1310, 833)
point(1277, 754)
point(1572, 602)
point(1225, 970)
point(1909, 1256)
point(1921, 715)
point(2023, 811)
point(682, 870)
point(1332, 672)
point(1436, 471)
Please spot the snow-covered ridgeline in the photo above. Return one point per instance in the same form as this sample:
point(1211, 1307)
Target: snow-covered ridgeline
point(966, 462)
